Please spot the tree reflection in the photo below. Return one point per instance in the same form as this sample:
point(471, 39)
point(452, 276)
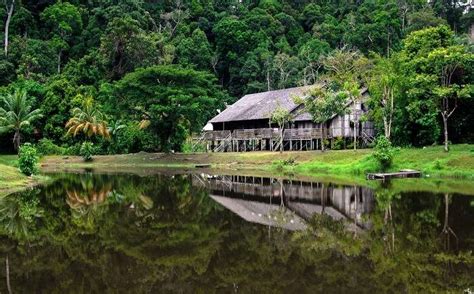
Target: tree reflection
point(20, 214)
point(161, 234)
point(447, 231)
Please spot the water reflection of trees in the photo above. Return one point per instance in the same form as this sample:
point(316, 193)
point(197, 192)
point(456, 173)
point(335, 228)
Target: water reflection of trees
point(20, 214)
point(161, 234)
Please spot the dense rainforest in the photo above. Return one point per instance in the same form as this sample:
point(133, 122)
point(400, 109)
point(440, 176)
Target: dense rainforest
point(139, 75)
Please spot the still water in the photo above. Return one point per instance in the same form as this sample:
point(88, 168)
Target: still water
point(200, 233)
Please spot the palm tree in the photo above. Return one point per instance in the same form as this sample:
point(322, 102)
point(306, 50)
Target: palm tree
point(16, 114)
point(88, 120)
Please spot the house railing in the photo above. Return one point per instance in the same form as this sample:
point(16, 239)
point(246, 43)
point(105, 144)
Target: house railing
point(264, 133)
point(302, 134)
point(216, 135)
point(248, 134)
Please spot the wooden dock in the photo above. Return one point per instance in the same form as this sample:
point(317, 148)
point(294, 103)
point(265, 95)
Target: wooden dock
point(404, 173)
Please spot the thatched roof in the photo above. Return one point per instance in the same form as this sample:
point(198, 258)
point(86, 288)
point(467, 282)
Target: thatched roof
point(260, 105)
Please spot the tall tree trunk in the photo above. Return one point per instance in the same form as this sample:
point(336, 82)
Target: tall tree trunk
point(322, 136)
point(268, 80)
point(445, 125)
point(281, 139)
point(7, 24)
point(390, 116)
point(387, 104)
point(355, 135)
point(17, 140)
point(356, 122)
point(59, 61)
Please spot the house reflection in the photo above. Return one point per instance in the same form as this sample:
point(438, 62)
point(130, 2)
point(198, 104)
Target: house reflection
point(289, 203)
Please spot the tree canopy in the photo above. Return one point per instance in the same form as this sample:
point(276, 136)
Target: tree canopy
point(56, 50)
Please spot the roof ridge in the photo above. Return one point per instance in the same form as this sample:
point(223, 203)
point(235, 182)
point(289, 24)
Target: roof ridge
point(271, 91)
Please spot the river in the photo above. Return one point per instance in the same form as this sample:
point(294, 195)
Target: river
point(184, 232)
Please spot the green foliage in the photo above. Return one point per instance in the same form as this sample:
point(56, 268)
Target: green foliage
point(383, 152)
point(190, 147)
point(28, 159)
point(87, 120)
point(324, 103)
point(47, 147)
point(63, 19)
point(283, 164)
point(97, 48)
point(16, 114)
point(438, 165)
point(338, 143)
point(180, 103)
point(280, 116)
point(87, 151)
point(436, 66)
point(131, 139)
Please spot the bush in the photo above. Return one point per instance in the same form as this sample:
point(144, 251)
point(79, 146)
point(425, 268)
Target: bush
point(280, 165)
point(338, 143)
point(383, 152)
point(47, 147)
point(438, 165)
point(130, 140)
point(87, 150)
point(188, 147)
point(73, 149)
point(28, 159)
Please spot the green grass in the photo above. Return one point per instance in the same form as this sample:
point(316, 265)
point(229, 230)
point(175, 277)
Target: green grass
point(451, 172)
point(347, 162)
point(431, 161)
point(10, 160)
point(11, 179)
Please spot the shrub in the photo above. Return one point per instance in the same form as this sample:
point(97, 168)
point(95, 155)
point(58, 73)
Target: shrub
point(131, 139)
point(383, 152)
point(338, 143)
point(438, 165)
point(74, 149)
point(87, 150)
point(28, 159)
point(289, 161)
point(280, 165)
point(47, 147)
point(190, 147)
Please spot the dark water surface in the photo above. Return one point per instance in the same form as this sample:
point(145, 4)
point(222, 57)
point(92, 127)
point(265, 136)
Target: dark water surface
point(95, 233)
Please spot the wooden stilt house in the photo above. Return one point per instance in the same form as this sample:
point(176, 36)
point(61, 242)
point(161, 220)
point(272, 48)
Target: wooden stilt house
point(246, 124)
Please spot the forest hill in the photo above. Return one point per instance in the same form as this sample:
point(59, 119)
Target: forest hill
point(171, 65)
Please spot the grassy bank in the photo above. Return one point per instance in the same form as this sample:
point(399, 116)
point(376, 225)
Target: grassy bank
point(432, 161)
point(11, 179)
point(456, 168)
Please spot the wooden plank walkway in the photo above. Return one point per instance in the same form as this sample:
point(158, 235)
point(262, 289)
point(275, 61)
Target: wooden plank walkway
point(404, 173)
